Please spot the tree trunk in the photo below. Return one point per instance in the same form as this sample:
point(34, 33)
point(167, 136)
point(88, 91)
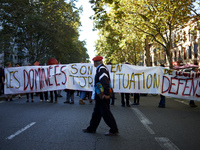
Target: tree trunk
point(169, 55)
point(147, 49)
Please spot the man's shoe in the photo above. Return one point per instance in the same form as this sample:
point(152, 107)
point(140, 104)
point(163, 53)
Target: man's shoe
point(81, 102)
point(128, 105)
point(123, 105)
point(86, 131)
point(71, 102)
point(66, 102)
point(111, 134)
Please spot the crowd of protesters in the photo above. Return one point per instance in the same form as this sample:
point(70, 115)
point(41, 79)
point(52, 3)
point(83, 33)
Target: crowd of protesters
point(83, 95)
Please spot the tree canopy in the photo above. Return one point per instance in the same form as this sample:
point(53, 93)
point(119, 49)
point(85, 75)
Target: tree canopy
point(42, 29)
point(125, 24)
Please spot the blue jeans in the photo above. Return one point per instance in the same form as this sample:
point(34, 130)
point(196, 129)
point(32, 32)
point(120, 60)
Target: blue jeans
point(82, 94)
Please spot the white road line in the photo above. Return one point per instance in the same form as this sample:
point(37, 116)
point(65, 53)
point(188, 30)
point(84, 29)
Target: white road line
point(20, 131)
point(166, 144)
point(144, 120)
point(1, 102)
point(183, 102)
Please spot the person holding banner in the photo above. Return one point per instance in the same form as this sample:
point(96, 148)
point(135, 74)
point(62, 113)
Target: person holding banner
point(127, 99)
point(191, 103)
point(8, 96)
point(102, 102)
point(126, 95)
point(53, 61)
point(162, 97)
point(136, 99)
point(70, 95)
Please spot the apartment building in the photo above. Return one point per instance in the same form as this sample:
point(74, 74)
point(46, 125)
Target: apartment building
point(185, 47)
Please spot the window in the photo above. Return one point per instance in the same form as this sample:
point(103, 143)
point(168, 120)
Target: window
point(184, 53)
point(189, 52)
point(189, 34)
point(195, 33)
point(195, 50)
point(174, 55)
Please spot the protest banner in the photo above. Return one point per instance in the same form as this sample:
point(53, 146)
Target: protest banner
point(124, 78)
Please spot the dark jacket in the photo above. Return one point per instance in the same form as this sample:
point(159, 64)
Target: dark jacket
point(102, 76)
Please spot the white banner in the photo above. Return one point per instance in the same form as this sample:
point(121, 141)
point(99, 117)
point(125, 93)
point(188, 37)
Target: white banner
point(124, 78)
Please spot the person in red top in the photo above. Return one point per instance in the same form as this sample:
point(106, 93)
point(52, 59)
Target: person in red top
point(102, 106)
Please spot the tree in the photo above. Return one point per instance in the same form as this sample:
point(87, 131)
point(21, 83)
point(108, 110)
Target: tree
point(156, 19)
point(42, 29)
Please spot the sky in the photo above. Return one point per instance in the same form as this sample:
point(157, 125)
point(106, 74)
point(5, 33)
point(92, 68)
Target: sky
point(87, 25)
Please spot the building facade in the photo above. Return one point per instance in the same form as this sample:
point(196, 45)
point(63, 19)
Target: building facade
point(185, 47)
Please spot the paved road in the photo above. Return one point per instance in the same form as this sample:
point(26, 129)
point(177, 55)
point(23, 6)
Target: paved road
point(42, 125)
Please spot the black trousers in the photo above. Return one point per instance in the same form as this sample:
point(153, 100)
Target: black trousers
point(27, 95)
point(102, 109)
point(44, 95)
point(127, 98)
point(136, 98)
point(55, 94)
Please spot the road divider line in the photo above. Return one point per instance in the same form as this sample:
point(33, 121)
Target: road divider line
point(166, 144)
point(144, 120)
point(180, 101)
point(20, 131)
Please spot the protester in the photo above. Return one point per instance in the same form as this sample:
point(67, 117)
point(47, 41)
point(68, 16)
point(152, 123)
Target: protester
point(127, 99)
point(162, 97)
point(53, 61)
point(136, 99)
point(17, 65)
point(192, 103)
point(70, 96)
point(27, 96)
point(1, 81)
point(59, 93)
point(102, 106)
point(7, 96)
point(44, 95)
point(127, 96)
point(82, 96)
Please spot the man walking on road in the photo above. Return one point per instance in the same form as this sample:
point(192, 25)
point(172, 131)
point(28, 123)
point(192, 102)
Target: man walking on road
point(102, 105)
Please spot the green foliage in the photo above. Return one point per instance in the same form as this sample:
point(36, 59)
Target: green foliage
point(42, 29)
point(124, 24)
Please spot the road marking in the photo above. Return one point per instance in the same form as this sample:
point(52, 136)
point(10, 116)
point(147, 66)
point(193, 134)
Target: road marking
point(144, 120)
point(183, 102)
point(1, 101)
point(20, 131)
point(166, 144)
